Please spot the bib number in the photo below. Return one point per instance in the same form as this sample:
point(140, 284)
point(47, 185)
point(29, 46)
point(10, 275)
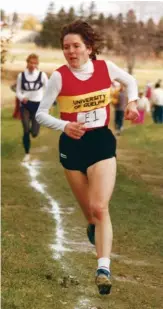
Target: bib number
point(93, 119)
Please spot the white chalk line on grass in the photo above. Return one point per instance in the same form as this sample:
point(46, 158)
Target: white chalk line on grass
point(33, 169)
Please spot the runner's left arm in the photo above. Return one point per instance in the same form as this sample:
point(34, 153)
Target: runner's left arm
point(125, 78)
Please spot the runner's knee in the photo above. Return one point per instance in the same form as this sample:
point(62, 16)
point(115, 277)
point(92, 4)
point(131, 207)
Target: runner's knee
point(99, 210)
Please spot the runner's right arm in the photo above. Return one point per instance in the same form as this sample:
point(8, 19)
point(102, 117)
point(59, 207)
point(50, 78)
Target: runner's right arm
point(52, 90)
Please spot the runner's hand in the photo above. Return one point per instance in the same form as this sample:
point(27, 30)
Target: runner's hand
point(75, 130)
point(25, 100)
point(131, 112)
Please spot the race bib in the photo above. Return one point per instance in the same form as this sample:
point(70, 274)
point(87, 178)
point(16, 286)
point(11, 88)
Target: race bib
point(93, 119)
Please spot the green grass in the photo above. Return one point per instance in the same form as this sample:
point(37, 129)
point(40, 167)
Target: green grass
point(143, 145)
point(8, 96)
point(29, 273)
point(31, 276)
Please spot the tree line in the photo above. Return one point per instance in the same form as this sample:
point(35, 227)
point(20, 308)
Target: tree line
point(123, 34)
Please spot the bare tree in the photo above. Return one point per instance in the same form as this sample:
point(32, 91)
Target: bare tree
point(92, 11)
point(128, 36)
point(5, 44)
point(143, 9)
point(81, 12)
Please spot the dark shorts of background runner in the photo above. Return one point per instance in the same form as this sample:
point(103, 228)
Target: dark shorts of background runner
point(28, 112)
point(94, 146)
point(32, 107)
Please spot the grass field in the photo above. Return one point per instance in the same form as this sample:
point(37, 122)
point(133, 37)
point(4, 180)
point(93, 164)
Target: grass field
point(19, 52)
point(32, 278)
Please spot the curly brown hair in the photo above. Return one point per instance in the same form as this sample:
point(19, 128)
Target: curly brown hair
point(89, 36)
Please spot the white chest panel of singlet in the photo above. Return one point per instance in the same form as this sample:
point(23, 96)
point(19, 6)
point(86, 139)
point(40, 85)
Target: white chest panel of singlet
point(93, 119)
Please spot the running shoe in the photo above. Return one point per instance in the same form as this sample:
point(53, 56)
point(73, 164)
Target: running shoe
point(103, 281)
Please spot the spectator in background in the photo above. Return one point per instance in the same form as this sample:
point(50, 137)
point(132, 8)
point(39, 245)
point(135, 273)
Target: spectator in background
point(148, 90)
point(143, 106)
point(30, 88)
point(119, 110)
point(114, 92)
point(159, 82)
point(157, 103)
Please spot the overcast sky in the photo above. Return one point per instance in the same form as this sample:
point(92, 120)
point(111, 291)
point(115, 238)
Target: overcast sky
point(39, 7)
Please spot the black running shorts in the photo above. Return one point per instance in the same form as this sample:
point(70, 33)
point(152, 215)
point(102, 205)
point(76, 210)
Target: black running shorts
point(94, 146)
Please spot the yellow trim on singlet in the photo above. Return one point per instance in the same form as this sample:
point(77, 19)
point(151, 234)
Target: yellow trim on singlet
point(84, 102)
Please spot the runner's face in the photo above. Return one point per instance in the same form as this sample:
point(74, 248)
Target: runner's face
point(32, 64)
point(75, 50)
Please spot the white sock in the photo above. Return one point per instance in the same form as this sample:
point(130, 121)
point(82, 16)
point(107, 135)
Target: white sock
point(104, 263)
